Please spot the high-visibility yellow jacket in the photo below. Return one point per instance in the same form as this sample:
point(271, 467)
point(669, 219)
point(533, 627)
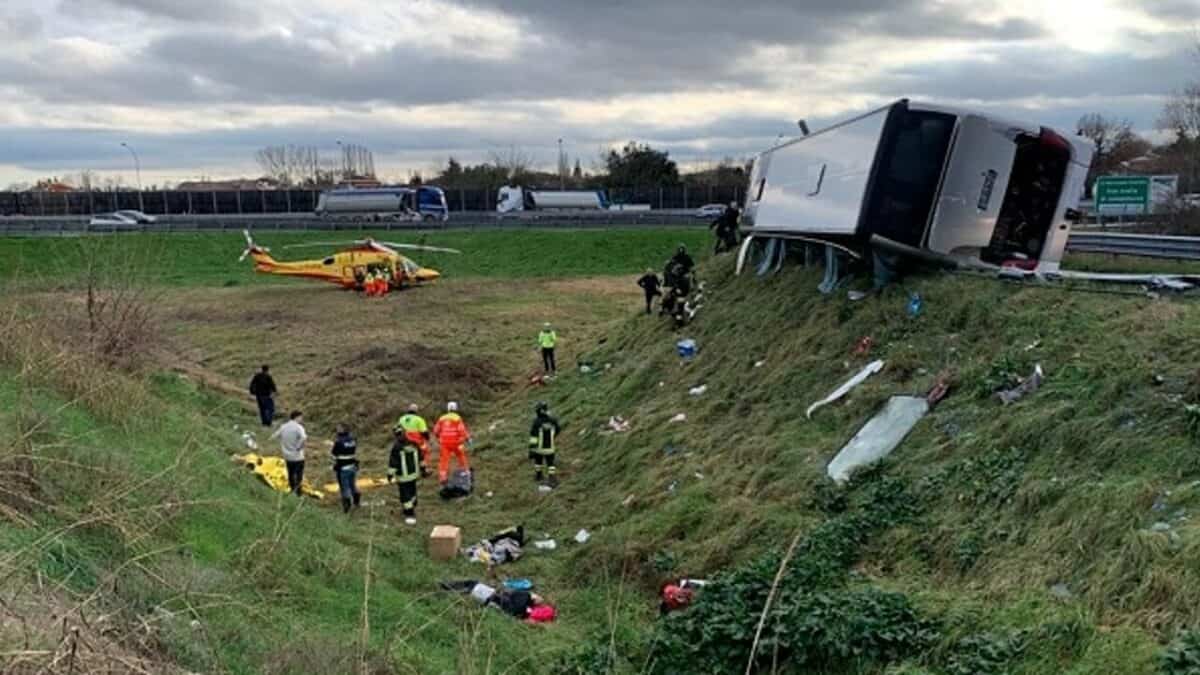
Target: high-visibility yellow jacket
point(547, 338)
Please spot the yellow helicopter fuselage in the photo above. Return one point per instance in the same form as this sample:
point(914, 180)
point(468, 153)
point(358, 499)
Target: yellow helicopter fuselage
point(348, 268)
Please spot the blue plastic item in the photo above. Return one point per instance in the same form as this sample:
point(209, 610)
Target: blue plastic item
point(518, 584)
point(686, 348)
point(915, 304)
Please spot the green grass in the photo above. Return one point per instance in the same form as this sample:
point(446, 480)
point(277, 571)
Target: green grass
point(1060, 488)
point(211, 259)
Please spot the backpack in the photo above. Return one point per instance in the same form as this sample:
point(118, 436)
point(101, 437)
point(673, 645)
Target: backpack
point(459, 485)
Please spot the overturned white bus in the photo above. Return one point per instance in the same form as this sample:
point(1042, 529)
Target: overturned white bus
point(926, 181)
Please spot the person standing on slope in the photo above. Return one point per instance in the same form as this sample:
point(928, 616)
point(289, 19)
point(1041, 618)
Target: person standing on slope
point(416, 430)
point(452, 433)
point(292, 436)
point(345, 467)
point(262, 388)
point(541, 443)
point(403, 468)
point(649, 283)
point(546, 340)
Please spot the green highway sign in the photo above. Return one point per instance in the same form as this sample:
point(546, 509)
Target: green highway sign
point(1123, 194)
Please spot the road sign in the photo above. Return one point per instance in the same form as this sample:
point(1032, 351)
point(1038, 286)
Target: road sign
point(1123, 195)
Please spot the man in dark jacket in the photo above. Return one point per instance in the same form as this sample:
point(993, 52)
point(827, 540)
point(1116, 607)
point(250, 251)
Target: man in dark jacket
point(345, 467)
point(262, 388)
point(726, 229)
point(541, 443)
point(649, 283)
point(684, 260)
point(404, 467)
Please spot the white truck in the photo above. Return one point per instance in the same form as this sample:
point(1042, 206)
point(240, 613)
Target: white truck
point(425, 202)
point(512, 198)
point(923, 180)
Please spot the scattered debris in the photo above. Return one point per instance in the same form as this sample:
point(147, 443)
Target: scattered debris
point(1160, 380)
point(867, 370)
point(679, 594)
point(941, 387)
point(1026, 387)
point(495, 425)
point(582, 536)
point(951, 429)
point(674, 484)
point(879, 436)
point(686, 348)
point(618, 424)
point(537, 380)
point(915, 304)
point(543, 488)
point(670, 449)
point(1160, 503)
point(855, 296)
point(760, 364)
point(490, 494)
point(503, 551)
point(628, 501)
point(662, 384)
point(1160, 526)
point(1061, 591)
point(698, 475)
point(585, 369)
point(863, 346)
point(545, 545)
point(248, 441)
point(1033, 345)
point(518, 584)
point(698, 391)
point(679, 417)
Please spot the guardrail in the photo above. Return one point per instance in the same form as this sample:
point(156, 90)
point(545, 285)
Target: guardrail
point(1141, 245)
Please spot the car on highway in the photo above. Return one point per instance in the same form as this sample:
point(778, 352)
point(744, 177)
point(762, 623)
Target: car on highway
point(136, 216)
point(710, 211)
point(114, 220)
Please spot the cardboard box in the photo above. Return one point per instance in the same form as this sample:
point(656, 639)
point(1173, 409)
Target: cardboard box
point(444, 542)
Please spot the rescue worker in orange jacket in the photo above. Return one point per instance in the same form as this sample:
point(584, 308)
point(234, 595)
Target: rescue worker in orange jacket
point(369, 284)
point(452, 434)
point(385, 281)
point(417, 432)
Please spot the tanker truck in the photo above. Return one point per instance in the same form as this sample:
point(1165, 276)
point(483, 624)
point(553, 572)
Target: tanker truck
point(389, 203)
point(516, 198)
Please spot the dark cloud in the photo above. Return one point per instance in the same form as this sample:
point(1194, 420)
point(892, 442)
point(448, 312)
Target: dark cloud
point(1031, 73)
point(189, 11)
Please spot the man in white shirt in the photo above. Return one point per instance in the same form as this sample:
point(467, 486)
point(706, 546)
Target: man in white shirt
point(292, 436)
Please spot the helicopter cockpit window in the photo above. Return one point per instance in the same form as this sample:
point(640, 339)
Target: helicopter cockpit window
point(327, 261)
point(410, 267)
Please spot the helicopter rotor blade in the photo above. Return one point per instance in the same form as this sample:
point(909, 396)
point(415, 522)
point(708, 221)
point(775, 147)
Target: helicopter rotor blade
point(358, 242)
point(420, 247)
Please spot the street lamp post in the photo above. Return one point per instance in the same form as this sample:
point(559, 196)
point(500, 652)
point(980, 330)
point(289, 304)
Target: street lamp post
point(562, 168)
point(345, 160)
point(137, 168)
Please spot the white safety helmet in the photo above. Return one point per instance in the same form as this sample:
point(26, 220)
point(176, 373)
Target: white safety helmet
point(452, 406)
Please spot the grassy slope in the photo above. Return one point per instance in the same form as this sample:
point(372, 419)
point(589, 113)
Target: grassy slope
point(1056, 489)
point(211, 259)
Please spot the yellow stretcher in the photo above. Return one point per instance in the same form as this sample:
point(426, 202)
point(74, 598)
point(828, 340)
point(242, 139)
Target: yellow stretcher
point(273, 472)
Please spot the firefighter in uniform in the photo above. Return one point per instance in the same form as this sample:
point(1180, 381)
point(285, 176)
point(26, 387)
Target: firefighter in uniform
point(541, 444)
point(404, 468)
point(416, 430)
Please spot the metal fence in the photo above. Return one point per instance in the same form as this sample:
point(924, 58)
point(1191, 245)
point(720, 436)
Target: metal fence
point(240, 202)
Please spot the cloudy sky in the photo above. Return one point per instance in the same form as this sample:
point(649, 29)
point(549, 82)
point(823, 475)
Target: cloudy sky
point(195, 87)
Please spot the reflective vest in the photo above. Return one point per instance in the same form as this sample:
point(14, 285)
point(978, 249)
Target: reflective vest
point(414, 428)
point(404, 464)
point(542, 434)
point(451, 431)
point(547, 338)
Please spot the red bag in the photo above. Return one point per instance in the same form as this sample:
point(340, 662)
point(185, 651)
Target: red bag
point(675, 597)
point(541, 614)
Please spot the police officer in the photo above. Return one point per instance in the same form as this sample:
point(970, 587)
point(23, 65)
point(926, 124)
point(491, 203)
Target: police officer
point(541, 443)
point(649, 283)
point(345, 467)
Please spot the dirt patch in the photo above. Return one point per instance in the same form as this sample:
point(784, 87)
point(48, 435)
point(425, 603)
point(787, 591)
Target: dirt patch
point(370, 388)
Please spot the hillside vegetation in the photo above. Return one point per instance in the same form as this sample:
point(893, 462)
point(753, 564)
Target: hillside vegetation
point(1051, 535)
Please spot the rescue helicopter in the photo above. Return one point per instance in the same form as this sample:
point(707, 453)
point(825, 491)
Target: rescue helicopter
point(349, 266)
